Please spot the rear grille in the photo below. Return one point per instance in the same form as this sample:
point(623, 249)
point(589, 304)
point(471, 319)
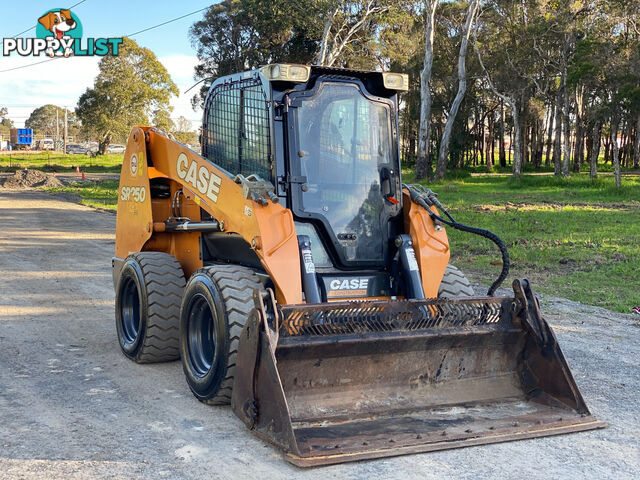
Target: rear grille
point(397, 315)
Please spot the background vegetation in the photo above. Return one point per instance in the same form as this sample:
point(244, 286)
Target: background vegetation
point(563, 77)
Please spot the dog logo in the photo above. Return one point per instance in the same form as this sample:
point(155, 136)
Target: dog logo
point(59, 23)
point(59, 33)
point(62, 26)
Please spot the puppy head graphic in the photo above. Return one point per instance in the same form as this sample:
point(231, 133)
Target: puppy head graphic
point(58, 22)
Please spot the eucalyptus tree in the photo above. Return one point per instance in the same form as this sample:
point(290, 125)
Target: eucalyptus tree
point(424, 136)
point(441, 166)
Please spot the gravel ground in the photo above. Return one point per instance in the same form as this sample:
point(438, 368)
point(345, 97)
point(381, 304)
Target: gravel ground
point(30, 178)
point(71, 406)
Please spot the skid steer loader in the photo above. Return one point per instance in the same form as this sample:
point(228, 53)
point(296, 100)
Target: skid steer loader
point(299, 280)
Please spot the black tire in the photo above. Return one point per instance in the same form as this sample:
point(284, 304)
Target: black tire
point(215, 307)
point(148, 298)
point(454, 284)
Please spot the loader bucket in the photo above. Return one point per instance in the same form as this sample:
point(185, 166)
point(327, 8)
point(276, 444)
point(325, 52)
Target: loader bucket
point(339, 382)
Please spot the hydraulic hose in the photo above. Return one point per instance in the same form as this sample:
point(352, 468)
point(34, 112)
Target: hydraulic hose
point(426, 199)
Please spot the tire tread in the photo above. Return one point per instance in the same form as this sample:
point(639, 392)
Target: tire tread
point(454, 284)
point(236, 285)
point(164, 282)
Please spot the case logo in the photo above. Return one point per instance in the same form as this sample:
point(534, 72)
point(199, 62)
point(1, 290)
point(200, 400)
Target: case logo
point(348, 287)
point(199, 177)
point(134, 165)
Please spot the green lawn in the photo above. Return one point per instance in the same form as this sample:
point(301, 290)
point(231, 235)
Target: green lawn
point(59, 162)
point(575, 238)
point(95, 194)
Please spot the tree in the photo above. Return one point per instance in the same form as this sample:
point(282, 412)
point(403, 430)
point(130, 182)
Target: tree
point(5, 123)
point(162, 119)
point(560, 70)
point(239, 35)
point(4, 120)
point(345, 22)
point(184, 131)
point(129, 88)
point(441, 166)
point(183, 124)
point(424, 136)
point(48, 120)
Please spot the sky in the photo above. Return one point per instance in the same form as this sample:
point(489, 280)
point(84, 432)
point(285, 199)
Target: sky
point(63, 81)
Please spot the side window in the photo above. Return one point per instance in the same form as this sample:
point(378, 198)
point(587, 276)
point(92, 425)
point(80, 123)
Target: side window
point(223, 122)
point(255, 133)
point(237, 134)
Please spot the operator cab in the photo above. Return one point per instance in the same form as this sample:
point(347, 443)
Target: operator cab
point(326, 138)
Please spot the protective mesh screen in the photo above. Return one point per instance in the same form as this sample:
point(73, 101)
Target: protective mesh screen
point(374, 316)
point(236, 132)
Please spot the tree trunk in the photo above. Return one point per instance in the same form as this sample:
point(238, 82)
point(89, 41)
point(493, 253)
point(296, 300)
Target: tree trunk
point(324, 43)
point(566, 150)
point(588, 141)
point(627, 144)
point(491, 128)
point(441, 167)
point(525, 136)
point(517, 142)
point(424, 136)
point(578, 156)
point(547, 159)
point(595, 150)
point(104, 144)
point(533, 141)
point(480, 143)
point(557, 141)
point(510, 143)
point(614, 144)
point(537, 158)
point(636, 146)
point(502, 153)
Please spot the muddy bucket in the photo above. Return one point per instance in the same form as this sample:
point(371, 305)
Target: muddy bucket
point(346, 381)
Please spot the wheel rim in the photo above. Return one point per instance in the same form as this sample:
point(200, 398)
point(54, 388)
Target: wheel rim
point(200, 335)
point(130, 312)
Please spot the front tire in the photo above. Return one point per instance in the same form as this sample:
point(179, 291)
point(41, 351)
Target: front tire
point(215, 307)
point(454, 284)
point(148, 295)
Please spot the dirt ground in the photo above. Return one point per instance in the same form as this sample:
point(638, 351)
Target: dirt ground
point(71, 406)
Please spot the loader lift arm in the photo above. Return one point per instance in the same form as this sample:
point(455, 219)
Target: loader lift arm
point(267, 228)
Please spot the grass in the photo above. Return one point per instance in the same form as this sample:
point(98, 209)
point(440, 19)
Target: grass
point(575, 238)
point(94, 194)
point(529, 168)
point(59, 162)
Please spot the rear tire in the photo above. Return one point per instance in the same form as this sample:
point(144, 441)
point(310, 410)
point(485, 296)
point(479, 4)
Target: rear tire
point(215, 307)
point(454, 284)
point(148, 297)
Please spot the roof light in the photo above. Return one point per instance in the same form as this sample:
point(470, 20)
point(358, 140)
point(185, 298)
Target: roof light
point(286, 72)
point(396, 81)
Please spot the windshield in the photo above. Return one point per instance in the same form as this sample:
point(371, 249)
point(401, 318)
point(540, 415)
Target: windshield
point(345, 145)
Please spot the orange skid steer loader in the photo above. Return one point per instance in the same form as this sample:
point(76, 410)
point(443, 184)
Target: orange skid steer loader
point(299, 280)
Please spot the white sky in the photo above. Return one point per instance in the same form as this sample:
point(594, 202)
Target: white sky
point(61, 83)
